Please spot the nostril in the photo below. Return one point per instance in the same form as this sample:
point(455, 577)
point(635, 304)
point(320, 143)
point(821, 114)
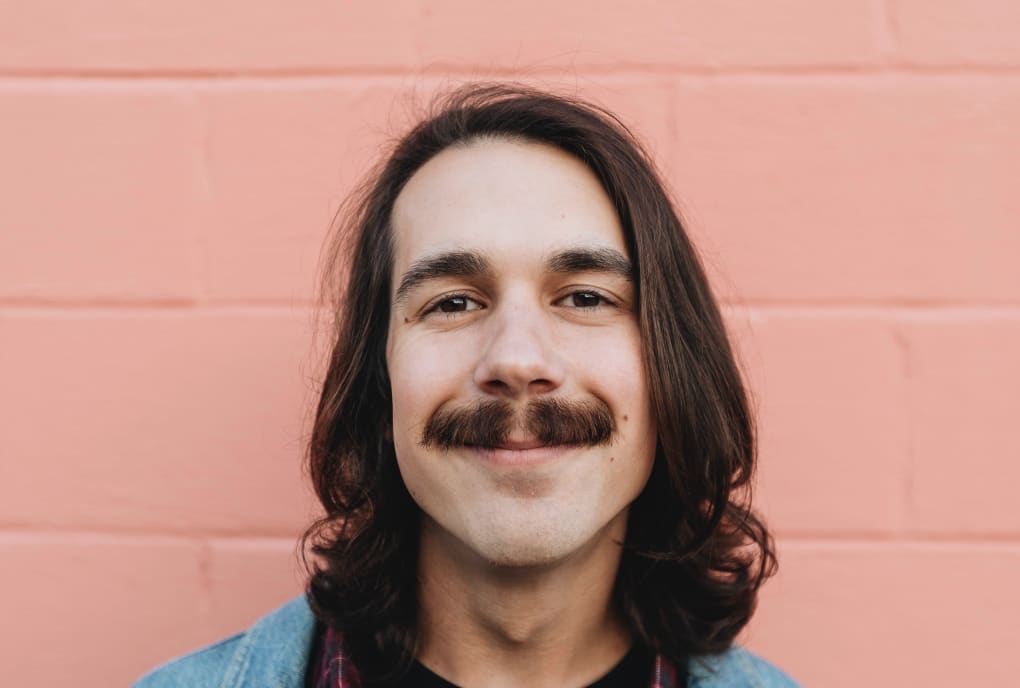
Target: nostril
point(501, 388)
point(497, 387)
point(541, 385)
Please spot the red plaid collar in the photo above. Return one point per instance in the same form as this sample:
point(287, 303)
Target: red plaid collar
point(333, 668)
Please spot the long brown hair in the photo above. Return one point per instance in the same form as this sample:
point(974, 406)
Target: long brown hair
point(695, 553)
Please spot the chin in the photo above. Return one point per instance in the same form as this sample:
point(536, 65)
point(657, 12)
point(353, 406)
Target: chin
point(527, 546)
point(522, 557)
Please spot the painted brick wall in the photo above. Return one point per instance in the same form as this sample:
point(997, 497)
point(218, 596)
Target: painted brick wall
point(851, 170)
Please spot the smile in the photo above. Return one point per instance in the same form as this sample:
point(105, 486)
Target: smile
point(525, 453)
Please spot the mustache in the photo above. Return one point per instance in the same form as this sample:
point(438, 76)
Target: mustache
point(488, 424)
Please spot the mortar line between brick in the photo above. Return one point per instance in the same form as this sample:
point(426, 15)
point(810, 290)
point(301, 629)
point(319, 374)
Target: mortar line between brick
point(904, 536)
point(140, 538)
point(888, 32)
point(400, 76)
point(906, 511)
point(901, 545)
point(303, 307)
point(9, 536)
point(77, 309)
point(889, 311)
point(205, 584)
point(200, 248)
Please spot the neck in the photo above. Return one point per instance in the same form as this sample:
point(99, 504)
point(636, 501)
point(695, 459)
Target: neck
point(548, 625)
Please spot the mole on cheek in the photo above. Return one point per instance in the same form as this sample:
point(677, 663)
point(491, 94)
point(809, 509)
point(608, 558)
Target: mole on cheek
point(625, 418)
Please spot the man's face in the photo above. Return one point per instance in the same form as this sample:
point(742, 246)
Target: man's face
point(510, 291)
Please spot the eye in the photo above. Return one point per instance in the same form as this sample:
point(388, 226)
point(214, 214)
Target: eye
point(457, 303)
point(585, 300)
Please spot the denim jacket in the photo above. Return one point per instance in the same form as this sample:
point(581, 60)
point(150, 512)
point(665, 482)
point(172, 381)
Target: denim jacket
point(274, 653)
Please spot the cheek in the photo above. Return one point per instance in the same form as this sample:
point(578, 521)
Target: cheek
point(423, 375)
point(618, 377)
point(614, 369)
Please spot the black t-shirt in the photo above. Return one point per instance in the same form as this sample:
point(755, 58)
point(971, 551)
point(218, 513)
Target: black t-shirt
point(635, 669)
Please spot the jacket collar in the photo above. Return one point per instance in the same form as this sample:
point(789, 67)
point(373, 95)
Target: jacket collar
point(274, 653)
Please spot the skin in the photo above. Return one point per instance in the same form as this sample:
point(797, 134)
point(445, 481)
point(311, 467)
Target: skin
point(520, 544)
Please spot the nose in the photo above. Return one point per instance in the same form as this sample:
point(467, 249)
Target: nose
point(519, 357)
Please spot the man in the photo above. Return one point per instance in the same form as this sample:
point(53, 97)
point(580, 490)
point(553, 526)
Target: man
point(532, 445)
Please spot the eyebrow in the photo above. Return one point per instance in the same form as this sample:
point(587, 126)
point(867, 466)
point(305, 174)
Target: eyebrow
point(474, 264)
point(440, 265)
point(591, 260)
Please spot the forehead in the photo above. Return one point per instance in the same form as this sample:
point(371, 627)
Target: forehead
point(506, 199)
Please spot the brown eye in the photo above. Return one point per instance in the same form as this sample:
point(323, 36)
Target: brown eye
point(585, 299)
point(454, 305)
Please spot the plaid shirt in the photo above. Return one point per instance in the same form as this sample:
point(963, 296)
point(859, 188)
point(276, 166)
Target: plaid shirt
point(280, 651)
point(333, 668)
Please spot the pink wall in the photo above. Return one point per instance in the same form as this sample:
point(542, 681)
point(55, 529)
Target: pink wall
point(852, 170)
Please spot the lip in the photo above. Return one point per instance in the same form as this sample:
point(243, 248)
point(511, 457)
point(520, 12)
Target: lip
point(521, 453)
point(522, 445)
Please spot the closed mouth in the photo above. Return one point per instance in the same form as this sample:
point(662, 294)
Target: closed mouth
point(516, 445)
point(519, 454)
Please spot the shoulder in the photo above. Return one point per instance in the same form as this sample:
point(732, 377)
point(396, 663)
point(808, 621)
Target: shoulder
point(737, 668)
point(204, 667)
point(274, 651)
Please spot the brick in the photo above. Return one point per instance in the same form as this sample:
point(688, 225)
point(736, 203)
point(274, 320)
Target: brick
point(730, 33)
point(173, 421)
point(115, 607)
point(282, 160)
point(272, 35)
point(122, 35)
point(957, 32)
point(840, 614)
point(853, 188)
point(831, 395)
point(103, 194)
point(247, 579)
point(642, 103)
point(965, 374)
